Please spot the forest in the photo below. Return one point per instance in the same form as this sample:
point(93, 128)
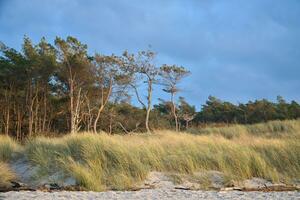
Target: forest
point(59, 87)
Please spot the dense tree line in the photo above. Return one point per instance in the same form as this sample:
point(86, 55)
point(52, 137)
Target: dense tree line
point(257, 111)
point(59, 87)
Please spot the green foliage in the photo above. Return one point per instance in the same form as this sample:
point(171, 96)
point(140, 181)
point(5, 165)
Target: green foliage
point(59, 87)
point(217, 111)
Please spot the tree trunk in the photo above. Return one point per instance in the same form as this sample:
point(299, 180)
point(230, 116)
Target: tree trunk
point(111, 120)
point(32, 119)
point(104, 100)
point(149, 106)
point(36, 117)
point(110, 125)
point(72, 119)
point(7, 121)
point(89, 115)
point(7, 113)
point(97, 118)
point(30, 110)
point(19, 125)
point(174, 112)
point(45, 113)
point(77, 118)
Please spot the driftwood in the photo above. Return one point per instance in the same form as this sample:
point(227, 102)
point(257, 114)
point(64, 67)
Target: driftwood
point(182, 188)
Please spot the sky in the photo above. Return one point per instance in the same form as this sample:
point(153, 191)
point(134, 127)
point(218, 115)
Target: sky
point(236, 50)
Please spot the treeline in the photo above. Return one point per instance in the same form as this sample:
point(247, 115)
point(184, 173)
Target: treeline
point(218, 111)
point(60, 87)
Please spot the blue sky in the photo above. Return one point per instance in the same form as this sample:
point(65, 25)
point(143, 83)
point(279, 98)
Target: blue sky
point(236, 50)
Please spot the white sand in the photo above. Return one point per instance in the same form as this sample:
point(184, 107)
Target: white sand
point(158, 194)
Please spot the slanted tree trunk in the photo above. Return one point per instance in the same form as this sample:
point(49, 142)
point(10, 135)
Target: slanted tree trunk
point(149, 98)
point(72, 118)
point(75, 102)
point(104, 100)
point(77, 118)
point(32, 102)
point(44, 112)
point(174, 112)
point(149, 102)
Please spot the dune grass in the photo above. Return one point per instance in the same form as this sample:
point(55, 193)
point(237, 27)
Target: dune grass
point(272, 129)
point(7, 147)
point(99, 161)
point(6, 175)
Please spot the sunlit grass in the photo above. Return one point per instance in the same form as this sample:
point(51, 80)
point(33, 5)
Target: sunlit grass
point(6, 175)
point(272, 129)
point(100, 161)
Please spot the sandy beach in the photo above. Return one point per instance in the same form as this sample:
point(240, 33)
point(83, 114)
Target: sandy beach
point(158, 194)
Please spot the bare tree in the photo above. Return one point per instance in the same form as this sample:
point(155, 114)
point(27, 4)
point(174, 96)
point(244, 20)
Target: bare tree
point(87, 115)
point(143, 69)
point(171, 75)
point(108, 75)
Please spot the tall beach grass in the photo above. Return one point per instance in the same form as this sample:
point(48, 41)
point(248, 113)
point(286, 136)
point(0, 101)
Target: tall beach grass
point(272, 129)
point(7, 148)
point(99, 161)
point(6, 175)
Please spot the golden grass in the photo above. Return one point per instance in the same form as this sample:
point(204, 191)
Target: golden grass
point(272, 129)
point(6, 175)
point(7, 147)
point(100, 161)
